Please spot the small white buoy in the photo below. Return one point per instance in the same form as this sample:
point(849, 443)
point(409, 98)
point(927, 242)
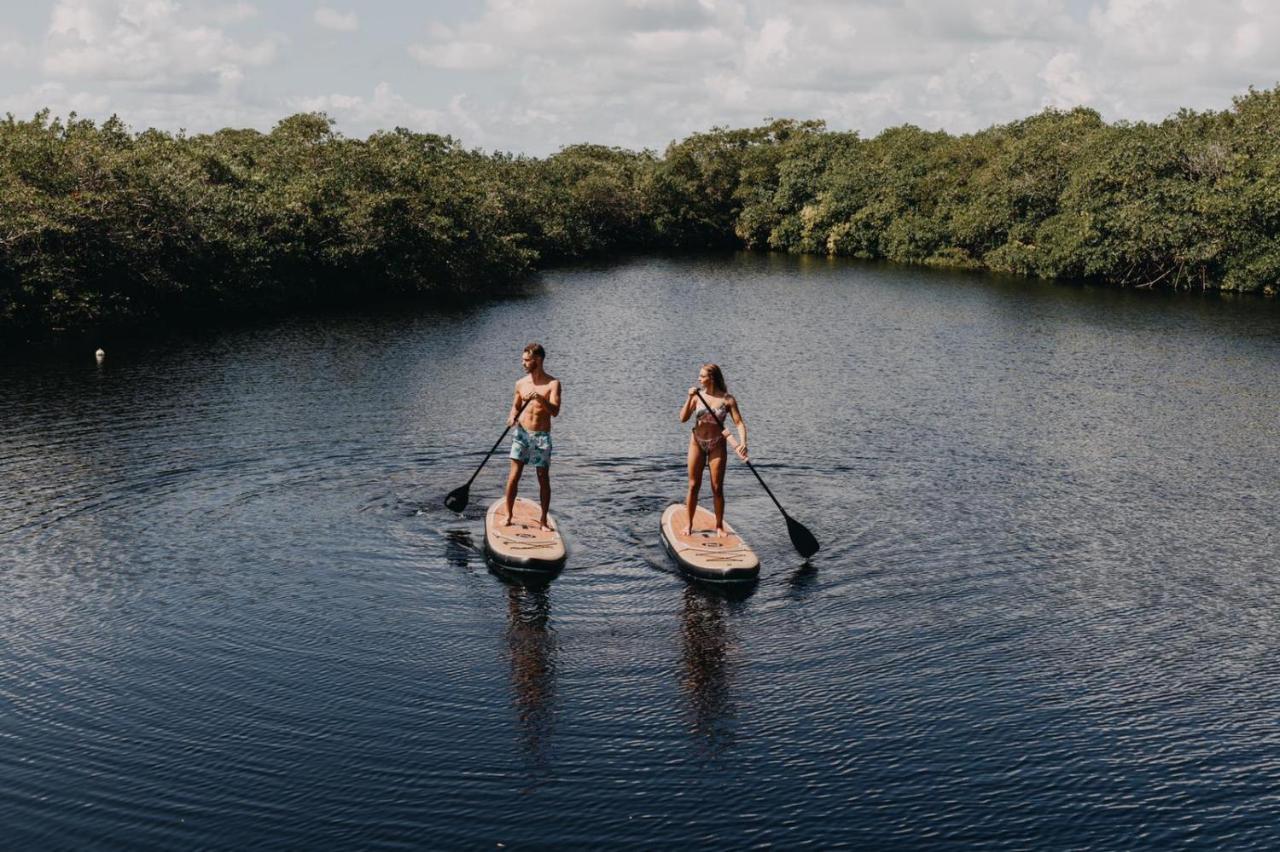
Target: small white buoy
point(100, 354)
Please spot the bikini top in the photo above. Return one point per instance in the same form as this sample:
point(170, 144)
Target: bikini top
point(702, 415)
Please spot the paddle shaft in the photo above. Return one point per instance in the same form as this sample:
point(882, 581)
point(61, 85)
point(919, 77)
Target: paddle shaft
point(720, 422)
point(497, 442)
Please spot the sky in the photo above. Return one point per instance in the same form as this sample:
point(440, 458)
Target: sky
point(531, 76)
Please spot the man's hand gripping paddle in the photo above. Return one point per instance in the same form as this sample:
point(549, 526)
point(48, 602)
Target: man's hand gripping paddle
point(458, 497)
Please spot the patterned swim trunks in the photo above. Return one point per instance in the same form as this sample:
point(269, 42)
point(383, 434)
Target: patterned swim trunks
point(531, 447)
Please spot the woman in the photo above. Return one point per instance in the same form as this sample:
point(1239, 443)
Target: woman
point(707, 444)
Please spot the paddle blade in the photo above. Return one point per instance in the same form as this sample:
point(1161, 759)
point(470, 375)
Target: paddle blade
point(457, 499)
point(806, 545)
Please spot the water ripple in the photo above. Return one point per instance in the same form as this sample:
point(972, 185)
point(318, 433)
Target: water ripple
point(1044, 614)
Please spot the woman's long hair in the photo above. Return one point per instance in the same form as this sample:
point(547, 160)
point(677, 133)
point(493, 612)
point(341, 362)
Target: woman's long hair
point(717, 378)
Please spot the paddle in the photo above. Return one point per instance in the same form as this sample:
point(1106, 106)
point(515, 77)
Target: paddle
point(458, 497)
point(805, 544)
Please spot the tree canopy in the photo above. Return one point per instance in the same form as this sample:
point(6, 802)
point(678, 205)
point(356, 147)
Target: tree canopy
point(103, 226)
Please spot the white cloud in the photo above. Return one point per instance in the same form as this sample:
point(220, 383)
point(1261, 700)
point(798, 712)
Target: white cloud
point(1146, 33)
point(991, 20)
point(155, 42)
point(1150, 57)
point(13, 53)
point(644, 71)
point(994, 72)
point(332, 19)
point(60, 101)
point(1246, 40)
point(1068, 83)
point(361, 115)
point(234, 13)
point(769, 46)
point(729, 89)
point(458, 55)
point(533, 75)
point(462, 118)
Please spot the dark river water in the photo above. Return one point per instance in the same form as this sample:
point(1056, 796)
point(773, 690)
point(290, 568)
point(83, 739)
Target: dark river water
point(1046, 613)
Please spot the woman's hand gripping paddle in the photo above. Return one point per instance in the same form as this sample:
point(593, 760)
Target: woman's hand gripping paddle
point(805, 544)
point(458, 497)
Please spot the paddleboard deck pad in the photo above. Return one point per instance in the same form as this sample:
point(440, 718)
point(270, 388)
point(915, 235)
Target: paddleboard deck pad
point(524, 545)
point(703, 554)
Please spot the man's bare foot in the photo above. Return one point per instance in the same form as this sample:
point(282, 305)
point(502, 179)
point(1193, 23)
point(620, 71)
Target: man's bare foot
point(720, 533)
point(506, 521)
point(543, 525)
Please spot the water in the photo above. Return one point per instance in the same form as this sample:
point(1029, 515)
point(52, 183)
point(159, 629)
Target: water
point(1046, 612)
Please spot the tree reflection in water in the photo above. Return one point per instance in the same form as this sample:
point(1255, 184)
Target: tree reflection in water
point(707, 667)
point(531, 646)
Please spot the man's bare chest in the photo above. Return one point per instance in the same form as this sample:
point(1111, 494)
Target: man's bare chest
point(527, 387)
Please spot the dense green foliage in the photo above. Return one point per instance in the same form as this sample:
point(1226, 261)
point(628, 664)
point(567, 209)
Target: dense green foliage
point(99, 225)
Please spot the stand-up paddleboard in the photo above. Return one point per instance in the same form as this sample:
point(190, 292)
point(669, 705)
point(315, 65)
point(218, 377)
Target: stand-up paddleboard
point(703, 554)
point(524, 545)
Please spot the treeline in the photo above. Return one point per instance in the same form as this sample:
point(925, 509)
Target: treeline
point(102, 226)
point(99, 226)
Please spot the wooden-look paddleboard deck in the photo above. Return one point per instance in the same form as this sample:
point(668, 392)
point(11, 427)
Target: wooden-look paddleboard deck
point(703, 554)
point(524, 545)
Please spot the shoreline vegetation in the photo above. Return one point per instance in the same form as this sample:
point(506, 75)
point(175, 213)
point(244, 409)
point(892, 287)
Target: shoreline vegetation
point(101, 227)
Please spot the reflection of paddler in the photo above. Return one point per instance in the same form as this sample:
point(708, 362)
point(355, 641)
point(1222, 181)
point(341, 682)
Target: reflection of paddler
point(706, 676)
point(532, 648)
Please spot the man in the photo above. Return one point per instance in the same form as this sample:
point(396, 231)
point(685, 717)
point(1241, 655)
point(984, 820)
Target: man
point(536, 401)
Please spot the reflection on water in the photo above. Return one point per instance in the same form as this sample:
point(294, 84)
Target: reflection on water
point(707, 646)
point(1044, 614)
point(531, 650)
point(459, 550)
point(803, 580)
